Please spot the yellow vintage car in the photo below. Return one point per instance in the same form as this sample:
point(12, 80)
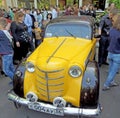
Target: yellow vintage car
point(61, 76)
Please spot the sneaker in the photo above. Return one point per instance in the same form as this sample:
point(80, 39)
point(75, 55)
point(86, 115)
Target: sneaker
point(118, 72)
point(113, 84)
point(105, 63)
point(105, 88)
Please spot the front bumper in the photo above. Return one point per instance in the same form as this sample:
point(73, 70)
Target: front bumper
point(66, 110)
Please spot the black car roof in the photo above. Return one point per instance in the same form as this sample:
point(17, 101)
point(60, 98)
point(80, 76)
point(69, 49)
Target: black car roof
point(82, 19)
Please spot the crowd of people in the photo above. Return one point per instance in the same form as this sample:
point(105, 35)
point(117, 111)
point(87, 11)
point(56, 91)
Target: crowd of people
point(21, 29)
point(20, 34)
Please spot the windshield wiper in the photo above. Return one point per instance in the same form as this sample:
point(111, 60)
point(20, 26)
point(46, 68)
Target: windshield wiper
point(70, 33)
point(56, 36)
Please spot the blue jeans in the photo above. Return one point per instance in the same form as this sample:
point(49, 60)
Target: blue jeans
point(114, 65)
point(7, 65)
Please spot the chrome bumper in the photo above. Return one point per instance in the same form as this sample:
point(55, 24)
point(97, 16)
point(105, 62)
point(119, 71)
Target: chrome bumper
point(67, 110)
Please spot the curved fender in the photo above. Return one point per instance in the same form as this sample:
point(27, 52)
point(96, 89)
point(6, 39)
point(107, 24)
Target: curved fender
point(18, 80)
point(90, 86)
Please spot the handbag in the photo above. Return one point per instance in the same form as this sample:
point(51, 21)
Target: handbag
point(25, 36)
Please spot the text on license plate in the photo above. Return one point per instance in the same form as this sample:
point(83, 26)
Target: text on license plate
point(38, 107)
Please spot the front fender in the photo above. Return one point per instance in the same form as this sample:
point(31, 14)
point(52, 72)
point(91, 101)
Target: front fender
point(18, 80)
point(90, 86)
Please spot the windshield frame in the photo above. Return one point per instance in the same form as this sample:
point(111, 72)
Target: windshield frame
point(70, 33)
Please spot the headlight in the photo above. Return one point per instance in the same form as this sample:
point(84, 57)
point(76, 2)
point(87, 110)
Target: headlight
point(75, 71)
point(30, 67)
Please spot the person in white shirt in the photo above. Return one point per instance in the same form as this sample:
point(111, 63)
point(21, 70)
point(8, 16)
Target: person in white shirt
point(54, 12)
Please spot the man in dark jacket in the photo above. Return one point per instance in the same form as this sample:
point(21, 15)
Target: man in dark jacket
point(104, 27)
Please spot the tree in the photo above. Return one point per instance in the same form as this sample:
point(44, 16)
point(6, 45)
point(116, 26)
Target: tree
point(117, 3)
point(27, 4)
point(43, 3)
point(0, 3)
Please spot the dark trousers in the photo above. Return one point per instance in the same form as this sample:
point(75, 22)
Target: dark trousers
point(31, 43)
point(20, 52)
point(103, 46)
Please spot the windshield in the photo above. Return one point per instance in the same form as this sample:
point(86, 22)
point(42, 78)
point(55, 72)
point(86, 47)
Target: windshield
point(68, 30)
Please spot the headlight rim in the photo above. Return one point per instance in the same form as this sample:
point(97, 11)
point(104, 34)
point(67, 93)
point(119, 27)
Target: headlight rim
point(29, 69)
point(75, 66)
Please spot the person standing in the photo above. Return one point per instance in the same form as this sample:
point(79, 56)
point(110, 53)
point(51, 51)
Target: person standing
point(48, 19)
point(39, 18)
point(83, 10)
point(7, 28)
point(91, 11)
point(113, 53)
point(20, 37)
point(44, 14)
point(6, 50)
point(37, 31)
point(29, 23)
point(44, 23)
point(11, 13)
point(54, 12)
point(68, 10)
point(104, 27)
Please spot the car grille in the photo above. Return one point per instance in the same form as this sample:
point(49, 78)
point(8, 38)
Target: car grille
point(50, 84)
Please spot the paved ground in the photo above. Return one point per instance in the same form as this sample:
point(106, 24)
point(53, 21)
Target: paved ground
point(110, 101)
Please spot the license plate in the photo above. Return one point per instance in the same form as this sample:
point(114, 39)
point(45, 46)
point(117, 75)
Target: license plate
point(39, 107)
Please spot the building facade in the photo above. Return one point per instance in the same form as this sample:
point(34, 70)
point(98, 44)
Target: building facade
point(6, 3)
point(61, 3)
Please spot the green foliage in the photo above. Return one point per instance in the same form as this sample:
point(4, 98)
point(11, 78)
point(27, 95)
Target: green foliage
point(43, 4)
point(69, 2)
point(0, 2)
point(117, 3)
point(99, 15)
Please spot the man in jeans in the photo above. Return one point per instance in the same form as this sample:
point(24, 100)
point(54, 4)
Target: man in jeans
point(6, 50)
point(113, 53)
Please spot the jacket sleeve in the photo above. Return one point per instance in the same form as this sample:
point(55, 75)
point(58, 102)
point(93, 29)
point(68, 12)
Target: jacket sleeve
point(101, 24)
point(13, 31)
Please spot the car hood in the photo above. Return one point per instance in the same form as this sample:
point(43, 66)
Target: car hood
point(63, 47)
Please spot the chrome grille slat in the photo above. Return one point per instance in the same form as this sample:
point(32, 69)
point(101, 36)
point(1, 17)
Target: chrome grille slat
point(47, 85)
point(56, 91)
point(43, 95)
point(56, 84)
point(41, 76)
point(51, 84)
point(51, 97)
point(46, 75)
point(49, 71)
point(50, 90)
point(42, 89)
point(41, 83)
point(50, 78)
point(56, 78)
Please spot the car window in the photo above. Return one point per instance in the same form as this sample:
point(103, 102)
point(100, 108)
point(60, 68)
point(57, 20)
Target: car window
point(66, 30)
